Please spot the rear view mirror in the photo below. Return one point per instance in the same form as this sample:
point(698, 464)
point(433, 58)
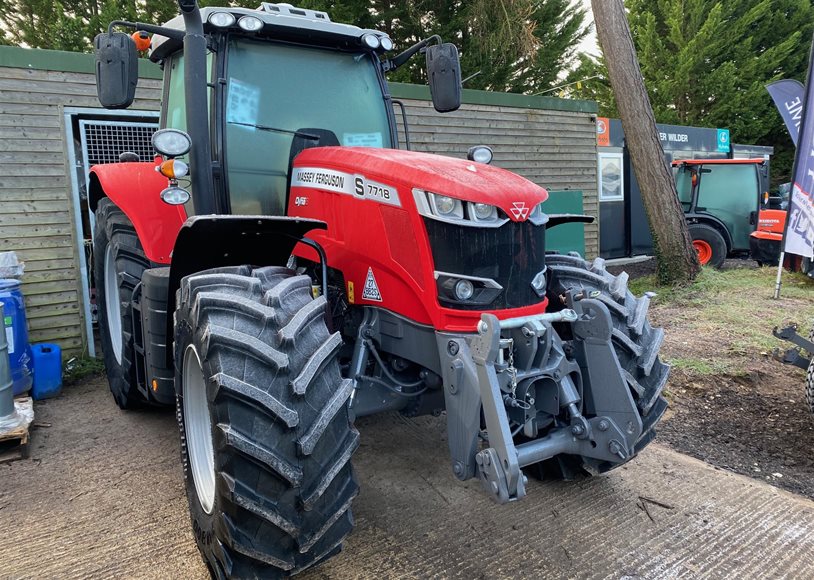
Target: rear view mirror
point(444, 75)
point(116, 69)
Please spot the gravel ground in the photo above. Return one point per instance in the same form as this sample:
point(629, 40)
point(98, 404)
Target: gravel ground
point(757, 424)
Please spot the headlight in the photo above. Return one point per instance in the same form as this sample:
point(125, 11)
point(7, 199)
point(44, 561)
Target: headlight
point(446, 207)
point(482, 212)
point(537, 216)
point(250, 23)
point(387, 43)
point(480, 154)
point(464, 290)
point(371, 41)
point(171, 142)
point(175, 196)
point(221, 19)
point(466, 213)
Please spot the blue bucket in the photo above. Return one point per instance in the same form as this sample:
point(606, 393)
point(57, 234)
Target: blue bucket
point(47, 370)
point(14, 324)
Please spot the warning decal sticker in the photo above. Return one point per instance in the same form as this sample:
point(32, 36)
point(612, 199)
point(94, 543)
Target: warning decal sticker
point(371, 290)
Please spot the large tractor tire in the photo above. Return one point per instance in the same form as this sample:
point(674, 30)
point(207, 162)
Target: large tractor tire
point(635, 342)
point(266, 440)
point(118, 264)
point(709, 243)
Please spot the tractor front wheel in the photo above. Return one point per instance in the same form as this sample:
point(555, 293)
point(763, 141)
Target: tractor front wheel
point(118, 264)
point(636, 343)
point(709, 244)
point(266, 440)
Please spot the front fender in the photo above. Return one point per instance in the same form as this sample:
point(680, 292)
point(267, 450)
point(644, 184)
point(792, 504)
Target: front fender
point(135, 189)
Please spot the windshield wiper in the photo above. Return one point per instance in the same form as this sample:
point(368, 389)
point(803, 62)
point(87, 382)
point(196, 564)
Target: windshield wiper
point(277, 130)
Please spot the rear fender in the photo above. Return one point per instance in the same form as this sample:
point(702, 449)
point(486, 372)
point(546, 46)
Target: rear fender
point(216, 241)
point(135, 188)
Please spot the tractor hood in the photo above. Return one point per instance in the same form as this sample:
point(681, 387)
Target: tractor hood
point(408, 170)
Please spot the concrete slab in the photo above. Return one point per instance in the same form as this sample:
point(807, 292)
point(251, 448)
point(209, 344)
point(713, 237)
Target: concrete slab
point(102, 496)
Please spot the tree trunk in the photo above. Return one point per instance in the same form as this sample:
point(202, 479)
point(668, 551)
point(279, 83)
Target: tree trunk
point(676, 258)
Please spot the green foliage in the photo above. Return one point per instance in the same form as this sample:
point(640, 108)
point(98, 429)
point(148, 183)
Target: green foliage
point(589, 81)
point(77, 369)
point(707, 62)
point(515, 45)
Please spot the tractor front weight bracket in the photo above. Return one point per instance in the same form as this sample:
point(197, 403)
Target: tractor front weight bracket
point(589, 382)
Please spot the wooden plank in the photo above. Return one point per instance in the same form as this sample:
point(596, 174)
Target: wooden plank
point(32, 181)
point(33, 194)
point(71, 334)
point(66, 287)
point(52, 273)
point(47, 75)
point(30, 254)
point(71, 345)
point(30, 145)
point(49, 299)
point(32, 243)
point(44, 264)
point(71, 320)
point(51, 310)
point(44, 122)
point(33, 131)
point(27, 169)
point(28, 207)
point(33, 158)
point(19, 219)
point(38, 231)
point(28, 109)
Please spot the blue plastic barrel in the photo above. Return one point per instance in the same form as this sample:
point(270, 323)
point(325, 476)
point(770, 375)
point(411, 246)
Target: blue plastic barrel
point(47, 370)
point(16, 334)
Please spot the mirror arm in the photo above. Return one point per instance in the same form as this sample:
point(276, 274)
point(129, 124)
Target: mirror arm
point(400, 59)
point(172, 33)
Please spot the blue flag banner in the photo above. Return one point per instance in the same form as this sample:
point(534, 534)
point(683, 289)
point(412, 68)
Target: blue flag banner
point(788, 97)
point(800, 220)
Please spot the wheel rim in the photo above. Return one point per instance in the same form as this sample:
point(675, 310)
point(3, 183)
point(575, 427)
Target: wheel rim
point(198, 429)
point(113, 305)
point(704, 251)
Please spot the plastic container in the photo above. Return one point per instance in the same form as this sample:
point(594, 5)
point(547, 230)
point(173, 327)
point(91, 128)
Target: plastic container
point(14, 324)
point(47, 370)
point(6, 398)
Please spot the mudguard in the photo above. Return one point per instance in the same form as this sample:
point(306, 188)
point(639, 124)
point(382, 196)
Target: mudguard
point(215, 241)
point(135, 189)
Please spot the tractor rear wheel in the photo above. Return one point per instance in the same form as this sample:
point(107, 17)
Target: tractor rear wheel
point(118, 265)
point(266, 440)
point(636, 344)
point(709, 244)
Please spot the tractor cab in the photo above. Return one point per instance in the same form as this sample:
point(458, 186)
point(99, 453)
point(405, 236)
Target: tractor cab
point(270, 83)
point(721, 199)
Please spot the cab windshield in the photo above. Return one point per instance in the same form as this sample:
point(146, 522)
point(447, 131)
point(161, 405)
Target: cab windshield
point(281, 99)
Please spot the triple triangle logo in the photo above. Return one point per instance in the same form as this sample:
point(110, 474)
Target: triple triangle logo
point(371, 290)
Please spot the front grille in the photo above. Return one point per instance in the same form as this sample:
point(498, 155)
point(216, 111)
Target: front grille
point(511, 255)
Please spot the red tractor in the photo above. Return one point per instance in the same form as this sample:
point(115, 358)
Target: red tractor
point(300, 271)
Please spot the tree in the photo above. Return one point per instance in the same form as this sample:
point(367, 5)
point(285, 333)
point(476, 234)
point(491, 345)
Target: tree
point(512, 45)
point(589, 81)
point(675, 256)
point(707, 62)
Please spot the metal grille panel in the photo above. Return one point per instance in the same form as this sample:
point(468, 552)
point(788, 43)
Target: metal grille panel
point(104, 141)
